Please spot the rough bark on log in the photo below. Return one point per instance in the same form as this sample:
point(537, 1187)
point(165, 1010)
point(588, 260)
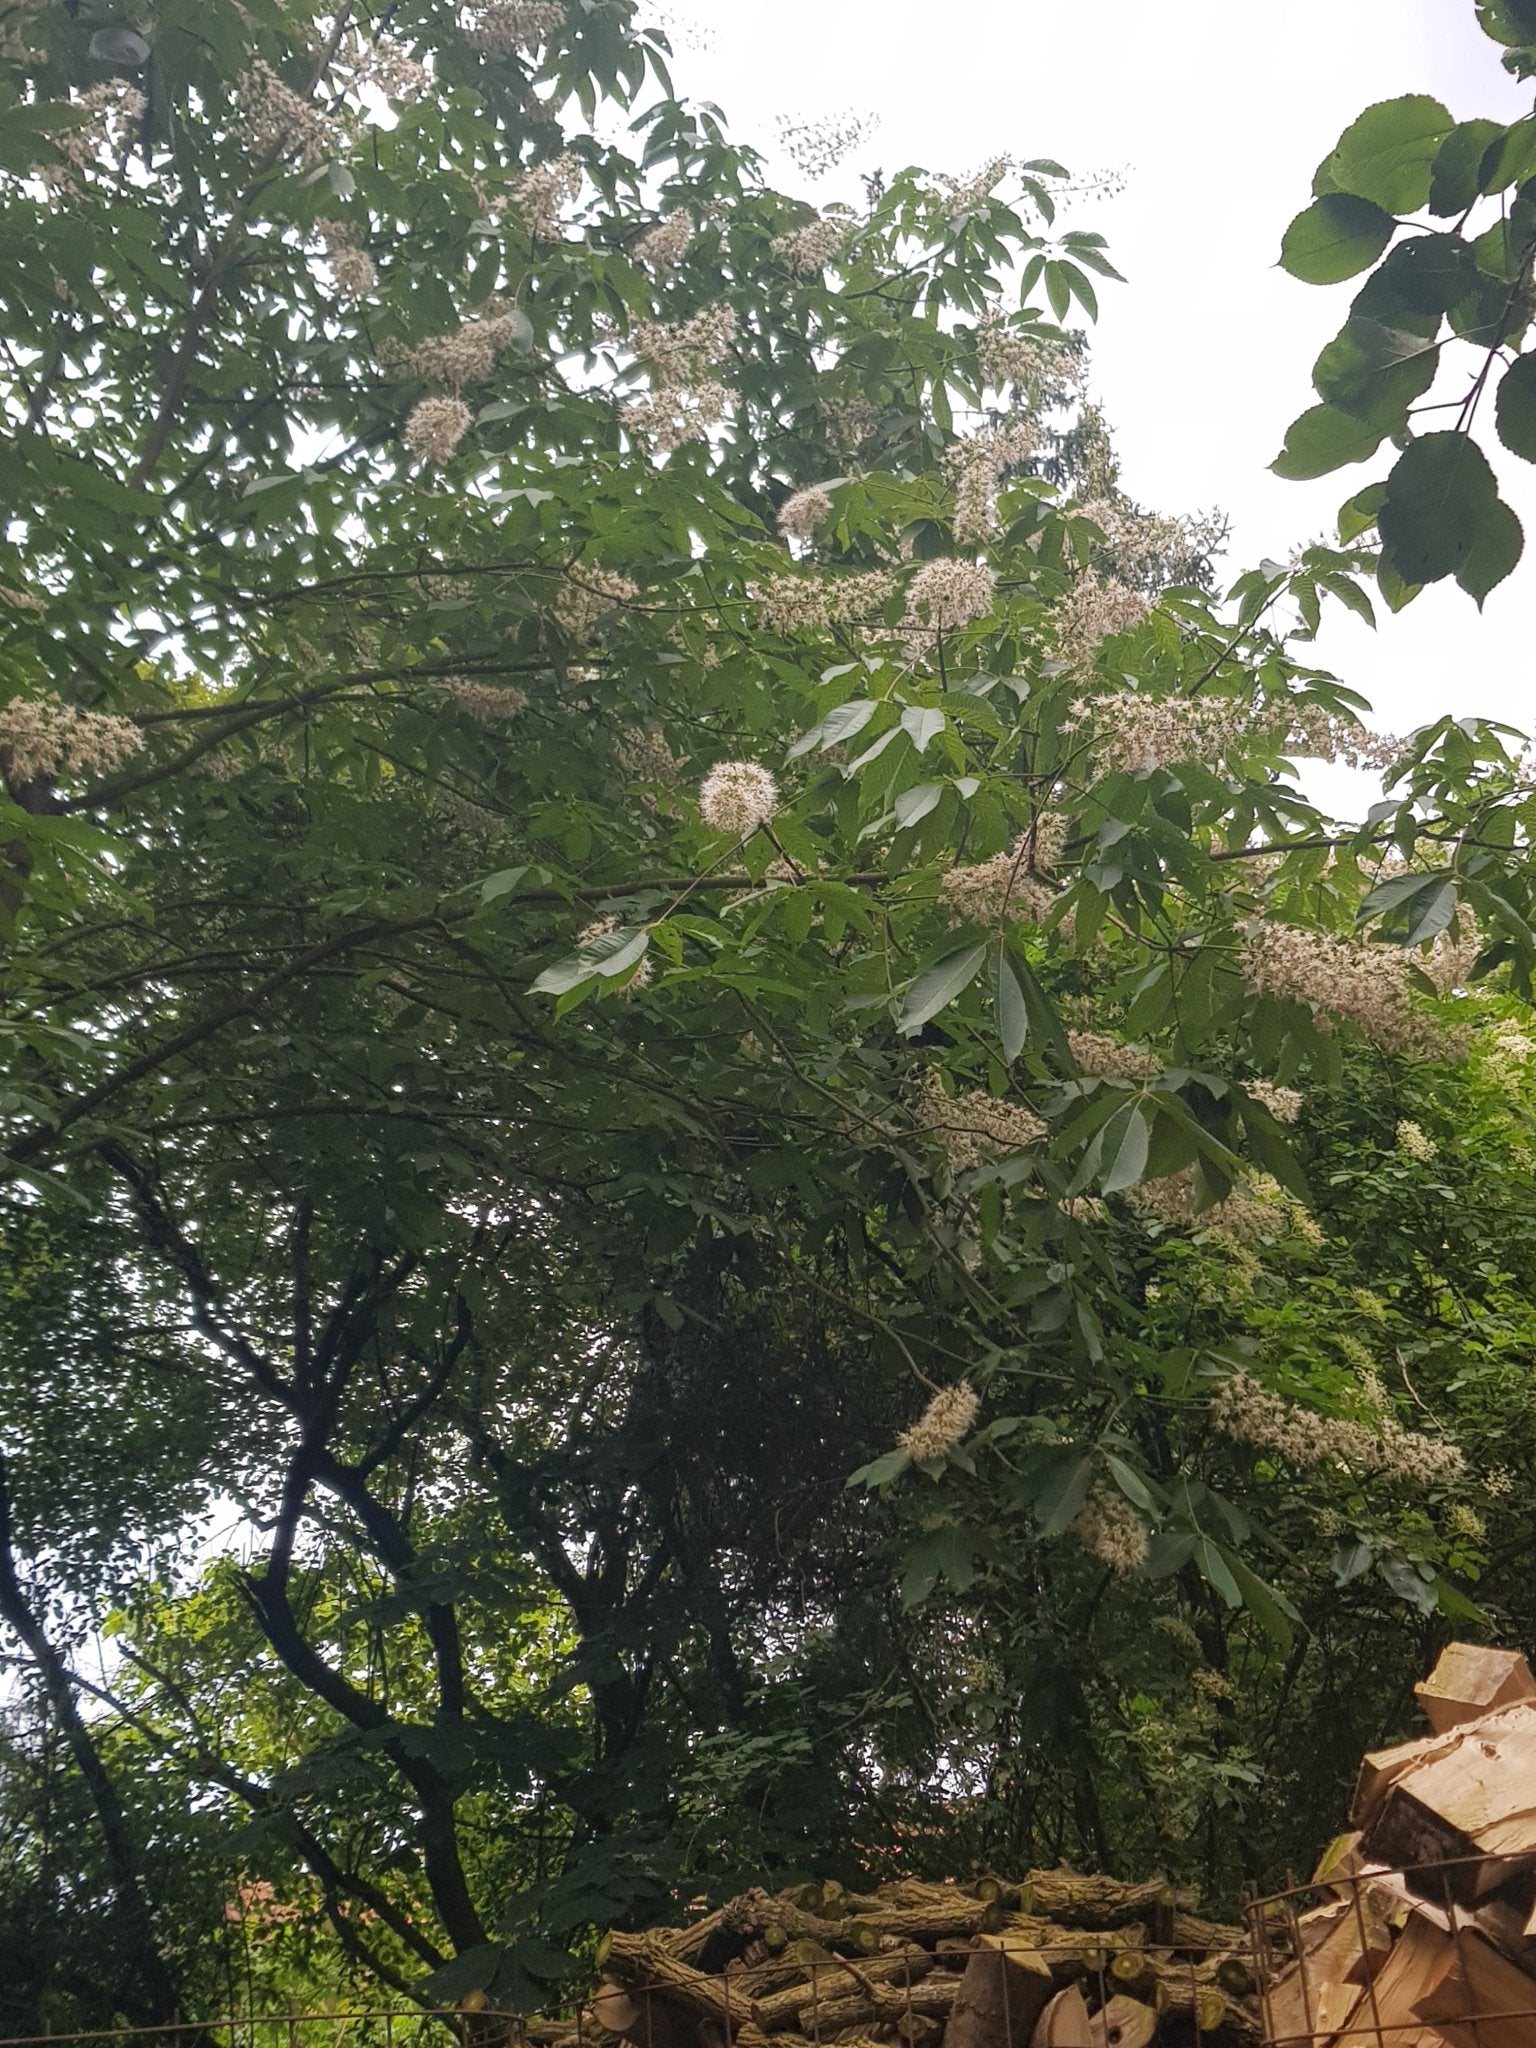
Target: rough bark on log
point(838, 1980)
point(1005, 1988)
point(885, 2003)
point(1095, 1901)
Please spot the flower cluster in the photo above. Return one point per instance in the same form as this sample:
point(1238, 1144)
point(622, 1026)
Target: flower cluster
point(945, 1423)
point(1146, 550)
point(819, 144)
point(436, 427)
point(1005, 356)
point(684, 400)
point(1110, 1529)
point(1257, 1207)
point(1283, 1104)
point(462, 357)
point(1250, 1414)
point(645, 756)
point(600, 929)
point(1323, 735)
point(1111, 1059)
point(974, 1128)
point(487, 702)
point(275, 122)
point(394, 72)
point(1366, 984)
point(737, 797)
point(667, 243)
point(973, 469)
point(1134, 734)
point(961, 194)
point(801, 514)
point(1001, 890)
point(45, 736)
point(109, 109)
point(1095, 609)
point(351, 266)
point(808, 250)
point(512, 28)
point(1506, 1054)
point(799, 604)
point(942, 597)
point(1414, 1142)
point(850, 421)
point(587, 593)
point(540, 196)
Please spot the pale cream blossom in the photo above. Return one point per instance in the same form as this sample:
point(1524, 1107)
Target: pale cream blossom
point(44, 736)
point(436, 427)
point(276, 122)
point(667, 243)
point(489, 703)
point(541, 194)
point(737, 797)
point(974, 1128)
point(1094, 610)
point(1111, 1058)
point(1134, 734)
point(1110, 1529)
point(1247, 1412)
point(809, 249)
point(1368, 985)
point(645, 756)
point(1007, 356)
point(944, 596)
point(1011, 887)
point(798, 604)
point(351, 266)
point(973, 468)
point(587, 595)
point(944, 1424)
point(1283, 1104)
point(512, 28)
point(802, 513)
point(1414, 1142)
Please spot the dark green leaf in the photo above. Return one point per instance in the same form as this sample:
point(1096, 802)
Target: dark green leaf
point(1442, 516)
point(938, 986)
point(1387, 154)
point(1123, 1149)
point(1334, 238)
point(1324, 439)
point(1008, 1003)
point(1456, 179)
point(1515, 411)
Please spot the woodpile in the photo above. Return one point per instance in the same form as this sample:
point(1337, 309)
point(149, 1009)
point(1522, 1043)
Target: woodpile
point(1423, 1934)
point(1056, 1961)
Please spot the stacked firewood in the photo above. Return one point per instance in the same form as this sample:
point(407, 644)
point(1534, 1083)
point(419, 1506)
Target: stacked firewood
point(1424, 1930)
point(1057, 1961)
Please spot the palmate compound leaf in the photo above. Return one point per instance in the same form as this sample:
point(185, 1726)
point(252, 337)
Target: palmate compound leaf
point(1442, 516)
point(1336, 237)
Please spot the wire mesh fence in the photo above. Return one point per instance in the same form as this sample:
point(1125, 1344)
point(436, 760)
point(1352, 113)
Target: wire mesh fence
point(1409, 1956)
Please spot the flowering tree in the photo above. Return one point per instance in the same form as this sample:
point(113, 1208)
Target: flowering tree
point(631, 879)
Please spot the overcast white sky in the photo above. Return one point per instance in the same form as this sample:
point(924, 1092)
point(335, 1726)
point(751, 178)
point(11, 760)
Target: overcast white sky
point(1218, 111)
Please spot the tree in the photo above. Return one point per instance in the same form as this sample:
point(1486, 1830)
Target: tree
point(1456, 286)
point(625, 865)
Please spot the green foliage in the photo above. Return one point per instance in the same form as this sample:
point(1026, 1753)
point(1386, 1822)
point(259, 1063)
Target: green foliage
point(1438, 512)
point(624, 863)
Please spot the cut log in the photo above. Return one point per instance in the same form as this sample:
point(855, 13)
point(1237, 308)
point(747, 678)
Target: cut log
point(834, 1980)
point(1123, 2023)
point(1064, 2023)
point(1471, 1680)
point(1478, 1999)
point(1005, 1988)
point(883, 2003)
point(1097, 1901)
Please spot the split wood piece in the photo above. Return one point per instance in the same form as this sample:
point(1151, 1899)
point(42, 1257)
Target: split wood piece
point(1475, 1799)
point(1339, 1861)
point(1477, 1998)
point(888, 2004)
point(834, 1980)
point(1064, 2023)
point(1499, 1920)
point(1005, 1988)
point(1337, 1953)
point(1471, 1680)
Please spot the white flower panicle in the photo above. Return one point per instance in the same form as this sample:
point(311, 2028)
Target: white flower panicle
point(961, 194)
point(1095, 609)
point(1002, 890)
point(667, 243)
point(1505, 1055)
point(44, 736)
point(737, 797)
point(799, 604)
point(1367, 985)
point(587, 595)
point(1111, 1059)
point(540, 196)
point(944, 1424)
point(1134, 734)
point(1257, 1207)
point(645, 756)
point(395, 72)
point(1283, 1104)
point(975, 1128)
point(974, 467)
point(818, 144)
point(1322, 735)
point(685, 400)
point(512, 28)
point(351, 266)
point(850, 421)
point(801, 514)
point(1109, 1528)
point(806, 251)
point(1005, 356)
point(944, 596)
point(1248, 1413)
point(462, 357)
point(436, 427)
point(489, 703)
point(275, 122)
point(1414, 1142)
